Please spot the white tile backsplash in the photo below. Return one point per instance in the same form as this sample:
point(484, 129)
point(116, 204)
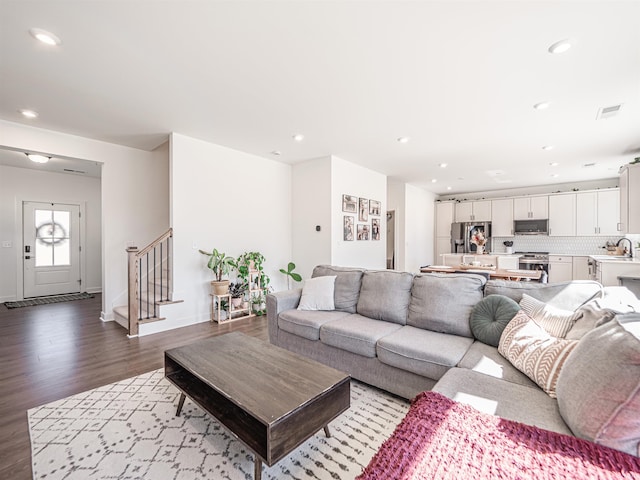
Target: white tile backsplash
point(556, 245)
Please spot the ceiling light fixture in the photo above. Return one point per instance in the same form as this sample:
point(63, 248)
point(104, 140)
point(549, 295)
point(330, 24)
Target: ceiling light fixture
point(443, 165)
point(277, 153)
point(45, 37)
point(434, 180)
point(554, 164)
point(555, 175)
point(541, 105)
point(403, 139)
point(560, 47)
point(298, 137)
point(37, 158)
point(593, 164)
point(28, 113)
point(448, 188)
point(548, 147)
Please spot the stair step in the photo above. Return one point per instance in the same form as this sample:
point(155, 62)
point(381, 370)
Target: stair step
point(123, 310)
point(151, 320)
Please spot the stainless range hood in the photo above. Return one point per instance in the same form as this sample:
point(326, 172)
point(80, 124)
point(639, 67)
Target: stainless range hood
point(531, 227)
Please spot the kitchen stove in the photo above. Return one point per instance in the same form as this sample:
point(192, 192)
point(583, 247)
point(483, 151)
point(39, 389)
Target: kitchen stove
point(535, 261)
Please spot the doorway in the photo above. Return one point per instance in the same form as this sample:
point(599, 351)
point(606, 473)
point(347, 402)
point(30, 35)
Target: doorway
point(50, 248)
point(391, 240)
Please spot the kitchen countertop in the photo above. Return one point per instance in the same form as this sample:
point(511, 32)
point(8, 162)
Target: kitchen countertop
point(612, 259)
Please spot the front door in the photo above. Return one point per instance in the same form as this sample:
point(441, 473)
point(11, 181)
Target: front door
point(51, 249)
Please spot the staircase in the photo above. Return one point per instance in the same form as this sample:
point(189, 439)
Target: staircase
point(150, 284)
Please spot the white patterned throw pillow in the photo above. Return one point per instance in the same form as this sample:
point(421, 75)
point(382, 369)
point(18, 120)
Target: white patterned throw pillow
point(555, 321)
point(535, 352)
point(317, 293)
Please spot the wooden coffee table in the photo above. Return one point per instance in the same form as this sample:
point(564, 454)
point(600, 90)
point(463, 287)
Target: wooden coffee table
point(269, 398)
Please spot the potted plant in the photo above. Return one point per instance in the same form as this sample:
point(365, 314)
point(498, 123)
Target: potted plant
point(291, 275)
point(237, 291)
point(252, 262)
point(258, 305)
point(221, 265)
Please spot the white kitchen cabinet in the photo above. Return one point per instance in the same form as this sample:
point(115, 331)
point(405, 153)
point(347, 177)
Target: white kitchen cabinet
point(562, 215)
point(607, 273)
point(630, 199)
point(452, 259)
point(508, 262)
point(581, 268)
point(527, 208)
point(560, 268)
point(502, 218)
point(444, 218)
point(443, 246)
point(598, 213)
point(478, 211)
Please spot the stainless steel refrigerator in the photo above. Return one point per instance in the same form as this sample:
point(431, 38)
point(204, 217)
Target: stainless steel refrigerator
point(463, 232)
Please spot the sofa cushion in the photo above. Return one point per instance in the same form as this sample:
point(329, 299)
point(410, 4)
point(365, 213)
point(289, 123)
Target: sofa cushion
point(426, 353)
point(556, 321)
point(483, 358)
point(599, 311)
point(307, 323)
point(490, 316)
point(385, 295)
point(442, 302)
point(317, 293)
point(599, 387)
point(347, 286)
point(565, 295)
point(356, 334)
point(534, 352)
point(504, 399)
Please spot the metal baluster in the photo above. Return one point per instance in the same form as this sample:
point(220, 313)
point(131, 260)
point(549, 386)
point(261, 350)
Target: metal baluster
point(147, 255)
point(155, 299)
point(139, 283)
point(161, 267)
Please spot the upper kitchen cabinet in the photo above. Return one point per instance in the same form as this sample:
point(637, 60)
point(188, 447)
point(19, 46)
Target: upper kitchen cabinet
point(562, 215)
point(502, 218)
point(630, 199)
point(473, 211)
point(444, 219)
point(531, 208)
point(598, 213)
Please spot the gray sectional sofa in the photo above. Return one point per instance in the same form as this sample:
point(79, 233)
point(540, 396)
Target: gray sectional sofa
point(408, 333)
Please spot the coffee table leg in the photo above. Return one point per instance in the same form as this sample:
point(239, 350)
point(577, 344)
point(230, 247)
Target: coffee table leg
point(180, 404)
point(257, 473)
point(326, 431)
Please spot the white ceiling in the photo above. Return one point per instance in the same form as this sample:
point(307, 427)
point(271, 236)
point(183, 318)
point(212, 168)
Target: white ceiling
point(458, 78)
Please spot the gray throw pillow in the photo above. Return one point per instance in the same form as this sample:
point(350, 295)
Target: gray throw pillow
point(385, 296)
point(599, 387)
point(490, 316)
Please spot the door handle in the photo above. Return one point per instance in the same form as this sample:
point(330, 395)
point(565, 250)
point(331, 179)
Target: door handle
point(27, 257)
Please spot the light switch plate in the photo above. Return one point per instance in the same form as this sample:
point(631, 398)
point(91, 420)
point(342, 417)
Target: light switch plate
point(6, 244)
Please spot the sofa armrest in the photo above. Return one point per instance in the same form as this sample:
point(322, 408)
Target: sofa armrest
point(279, 302)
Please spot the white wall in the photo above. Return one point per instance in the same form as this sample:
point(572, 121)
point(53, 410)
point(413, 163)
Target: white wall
point(419, 228)
point(351, 179)
point(134, 195)
point(311, 206)
point(22, 184)
point(229, 200)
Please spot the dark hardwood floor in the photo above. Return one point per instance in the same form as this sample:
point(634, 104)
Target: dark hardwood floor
point(49, 352)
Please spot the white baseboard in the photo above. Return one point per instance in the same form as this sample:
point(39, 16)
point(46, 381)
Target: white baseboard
point(11, 298)
point(107, 317)
point(94, 290)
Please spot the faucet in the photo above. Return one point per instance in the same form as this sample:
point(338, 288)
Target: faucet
point(630, 246)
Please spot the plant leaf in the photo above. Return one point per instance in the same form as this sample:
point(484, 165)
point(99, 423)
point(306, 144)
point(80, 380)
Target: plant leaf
point(296, 277)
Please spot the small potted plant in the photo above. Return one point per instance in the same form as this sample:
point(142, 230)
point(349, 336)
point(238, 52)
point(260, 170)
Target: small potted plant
point(237, 291)
point(221, 265)
point(291, 275)
point(258, 305)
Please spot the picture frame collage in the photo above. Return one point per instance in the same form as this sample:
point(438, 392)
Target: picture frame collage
point(363, 208)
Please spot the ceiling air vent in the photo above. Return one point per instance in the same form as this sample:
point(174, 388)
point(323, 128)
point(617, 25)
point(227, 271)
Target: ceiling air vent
point(74, 171)
point(608, 112)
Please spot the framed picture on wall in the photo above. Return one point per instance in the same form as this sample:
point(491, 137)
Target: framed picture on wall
point(363, 231)
point(349, 233)
point(375, 229)
point(363, 216)
point(374, 207)
point(349, 203)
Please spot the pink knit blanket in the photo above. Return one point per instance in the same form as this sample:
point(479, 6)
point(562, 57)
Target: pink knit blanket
point(443, 439)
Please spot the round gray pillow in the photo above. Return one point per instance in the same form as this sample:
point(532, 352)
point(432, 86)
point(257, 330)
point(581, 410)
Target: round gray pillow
point(490, 316)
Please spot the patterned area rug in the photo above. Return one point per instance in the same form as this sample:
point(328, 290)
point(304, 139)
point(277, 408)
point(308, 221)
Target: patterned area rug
point(45, 300)
point(128, 430)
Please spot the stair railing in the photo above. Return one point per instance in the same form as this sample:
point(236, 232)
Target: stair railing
point(150, 280)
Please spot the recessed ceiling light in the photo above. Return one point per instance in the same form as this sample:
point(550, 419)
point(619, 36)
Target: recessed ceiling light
point(448, 188)
point(434, 180)
point(403, 139)
point(28, 113)
point(44, 36)
point(298, 137)
point(555, 175)
point(443, 165)
point(554, 164)
point(34, 157)
point(541, 106)
point(560, 47)
point(276, 153)
point(548, 147)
